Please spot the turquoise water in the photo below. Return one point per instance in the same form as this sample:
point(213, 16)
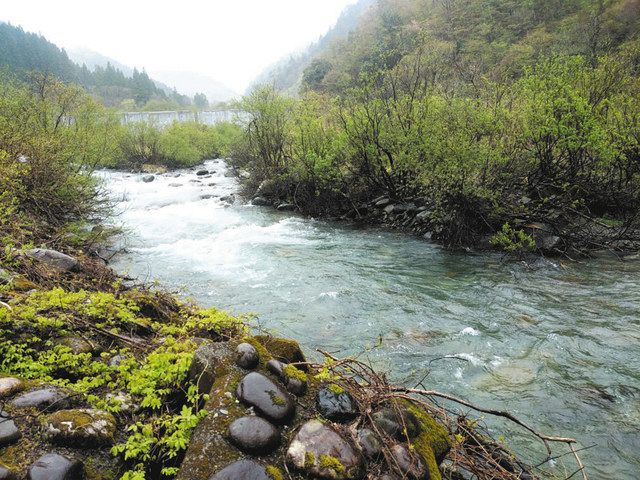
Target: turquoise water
point(556, 343)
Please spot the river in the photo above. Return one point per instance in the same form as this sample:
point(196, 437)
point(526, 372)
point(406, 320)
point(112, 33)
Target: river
point(556, 343)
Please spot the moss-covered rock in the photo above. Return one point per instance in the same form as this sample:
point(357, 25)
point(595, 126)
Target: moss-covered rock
point(87, 428)
point(288, 351)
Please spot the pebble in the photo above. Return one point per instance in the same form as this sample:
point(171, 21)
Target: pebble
point(247, 356)
point(338, 407)
point(254, 435)
point(269, 399)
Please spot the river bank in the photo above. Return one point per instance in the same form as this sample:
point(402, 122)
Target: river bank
point(554, 340)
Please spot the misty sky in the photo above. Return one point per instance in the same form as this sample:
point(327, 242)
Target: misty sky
point(230, 40)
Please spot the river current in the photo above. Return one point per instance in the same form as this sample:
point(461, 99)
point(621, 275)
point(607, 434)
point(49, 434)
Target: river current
point(556, 343)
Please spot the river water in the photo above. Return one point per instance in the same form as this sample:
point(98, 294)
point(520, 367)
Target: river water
point(556, 343)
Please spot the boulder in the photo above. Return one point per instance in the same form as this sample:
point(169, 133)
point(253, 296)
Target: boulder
point(269, 399)
point(247, 356)
point(48, 398)
point(409, 463)
point(202, 172)
point(9, 433)
point(318, 450)
point(52, 258)
point(287, 207)
point(336, 405)
point(9, 386)
point(56, 467)
point(207, 360)
point(283, 349)
point(242, 470)
point(77, 345)
point(369, 443)
point(394, 421)
point(261, 202)
point(87, 428)
point(148, 178)
point(254, 435)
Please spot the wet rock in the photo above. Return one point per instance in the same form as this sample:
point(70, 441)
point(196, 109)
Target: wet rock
point(208, 359)
point(207, 196)
point(81, 427)
point(56, 467)
point(148, 178)
point(409, 463)
point(269, 399)
point(369, 443)
point(230, 199)
point(9, 433)
point(261, 202)
point(6, 474)
point(287, 207)
point(297, 386)
point(193, 180)
point(76, 344)
point(52, 258)
point(247, 356)
point(336, 405)
point(393, 421)
point(48, 398)
point(283, 349)
point(212, 184)
point(9, 386)
point(318, 450)
point(242, 470)
point(175, 184)
point(201, 173)
point(254, 435)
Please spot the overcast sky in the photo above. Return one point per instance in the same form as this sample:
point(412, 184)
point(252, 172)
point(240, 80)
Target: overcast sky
point(230, 40)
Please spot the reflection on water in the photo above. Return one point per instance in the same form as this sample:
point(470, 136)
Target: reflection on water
point(558, 345)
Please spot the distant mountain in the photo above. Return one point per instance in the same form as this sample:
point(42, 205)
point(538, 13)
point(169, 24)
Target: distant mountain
point(191, 83)
point(94, 59)
point(286, 74)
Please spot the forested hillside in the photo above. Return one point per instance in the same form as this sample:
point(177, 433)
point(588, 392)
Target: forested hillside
point(473, 122)
point(22, 53)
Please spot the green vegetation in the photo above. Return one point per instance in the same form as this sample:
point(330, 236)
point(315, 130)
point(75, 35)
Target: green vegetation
point(177, 146)
point(484, 113)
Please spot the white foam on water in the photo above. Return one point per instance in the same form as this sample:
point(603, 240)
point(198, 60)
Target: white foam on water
point(470, 331)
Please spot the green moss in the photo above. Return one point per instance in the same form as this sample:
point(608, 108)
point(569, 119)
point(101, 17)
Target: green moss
point(309, 460)
point(433, 442)
point(276, 399)
point(332, 463)
point(283, 349)
point(335, 388)
point(292, 372)
point(274, 472)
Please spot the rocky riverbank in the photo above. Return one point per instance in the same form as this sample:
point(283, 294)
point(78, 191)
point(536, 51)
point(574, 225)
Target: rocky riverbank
point(101, 380)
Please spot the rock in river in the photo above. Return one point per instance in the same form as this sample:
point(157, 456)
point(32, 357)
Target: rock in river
point(200, 173)
point(82, 427)
point(56, 467)
point(269, 399)
point(254, 435)
point(336, 405)
point(318, 450)
point(148, 178)
point(242, 470)
point(9, 433)
point(261, 201)
point(247, 356)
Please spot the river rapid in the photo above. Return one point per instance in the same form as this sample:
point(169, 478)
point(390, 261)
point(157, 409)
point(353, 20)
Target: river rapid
point(556, 343)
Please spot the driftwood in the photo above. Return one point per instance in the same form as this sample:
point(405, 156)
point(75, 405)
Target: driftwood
point(473, 451)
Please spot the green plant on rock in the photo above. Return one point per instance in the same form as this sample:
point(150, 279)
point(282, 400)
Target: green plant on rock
point(513, 241)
